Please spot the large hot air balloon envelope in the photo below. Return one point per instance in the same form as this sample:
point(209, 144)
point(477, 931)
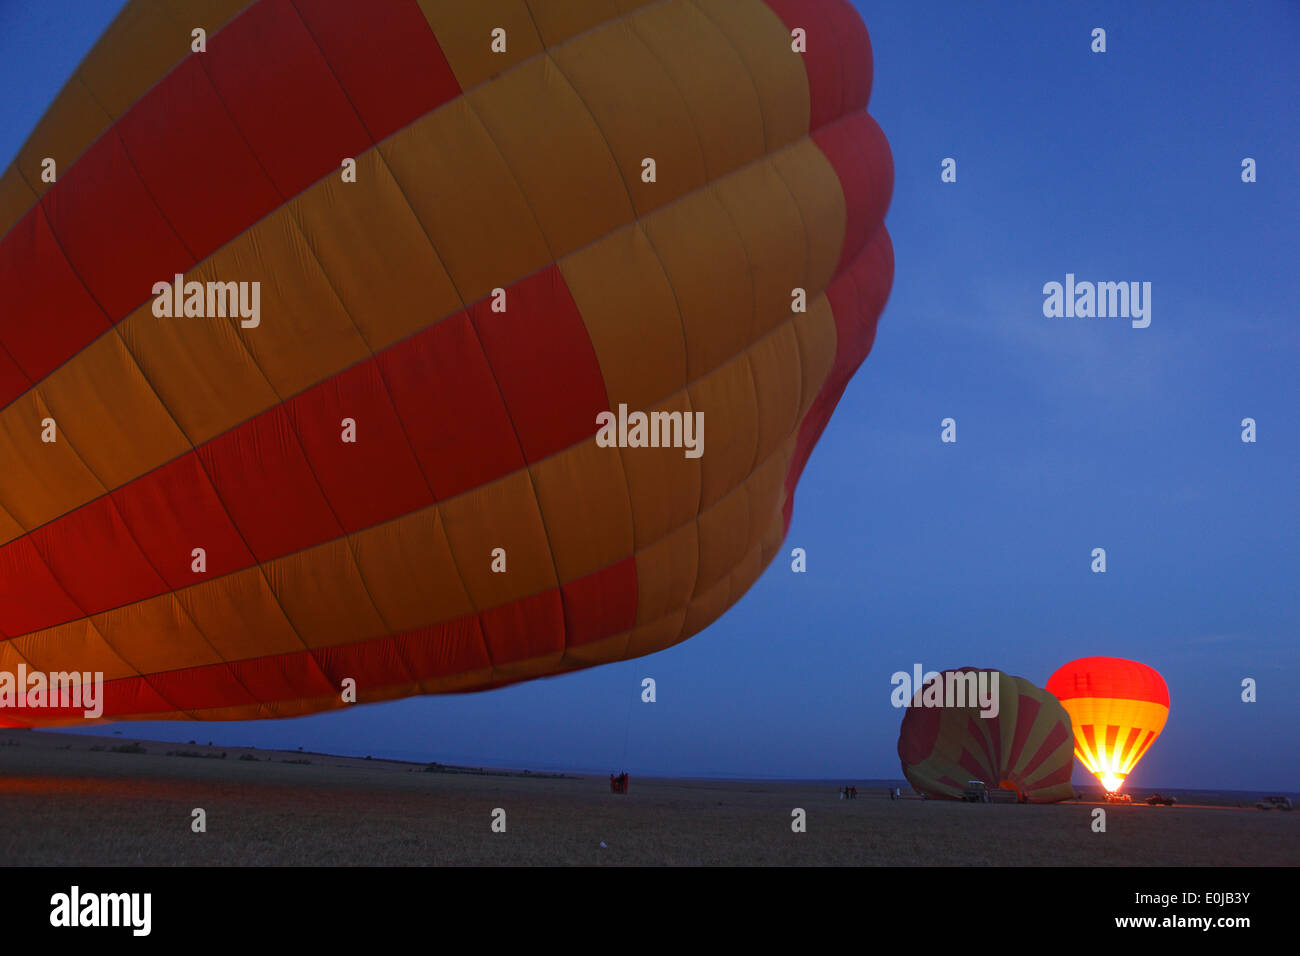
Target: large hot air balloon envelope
point(1118, 708)
point(467, 245)
point(1025, 747)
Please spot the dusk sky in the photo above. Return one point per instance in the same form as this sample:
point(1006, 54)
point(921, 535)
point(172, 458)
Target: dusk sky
point(1073, 434)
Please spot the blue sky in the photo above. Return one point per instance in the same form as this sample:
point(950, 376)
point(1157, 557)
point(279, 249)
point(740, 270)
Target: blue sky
point(1072, 433)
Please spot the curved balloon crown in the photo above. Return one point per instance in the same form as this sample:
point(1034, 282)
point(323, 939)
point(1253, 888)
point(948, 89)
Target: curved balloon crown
point(1026, 747)
point(315, 320)
point(1118, 708)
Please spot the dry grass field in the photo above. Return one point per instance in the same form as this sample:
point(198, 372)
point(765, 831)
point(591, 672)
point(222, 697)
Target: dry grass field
point(63, 803)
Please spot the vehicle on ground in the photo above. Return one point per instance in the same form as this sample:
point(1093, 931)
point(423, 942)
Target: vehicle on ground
point(976, 791)
point(1276, 803)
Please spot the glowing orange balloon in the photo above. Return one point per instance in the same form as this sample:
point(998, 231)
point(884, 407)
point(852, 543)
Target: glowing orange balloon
point(1118, 708)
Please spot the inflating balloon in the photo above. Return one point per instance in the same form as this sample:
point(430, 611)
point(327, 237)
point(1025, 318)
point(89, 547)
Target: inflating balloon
point(317, 315)
point(1118, 708)
point(1025, 747)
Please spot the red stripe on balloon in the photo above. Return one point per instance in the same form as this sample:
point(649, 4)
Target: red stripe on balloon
point(1057, 736)
point(282, 95)
point(48, 314)
point(599, 605)
point(1090, 738)
point(199, 169)
point(544, 363)
point(1025, 718)
point(1109, 677)
point(971, 764)
point(388, 61)
point(1058, 776)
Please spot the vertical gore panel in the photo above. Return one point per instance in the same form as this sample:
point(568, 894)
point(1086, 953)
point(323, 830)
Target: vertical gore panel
point(200, 369)
point(113, 234)
point(39, 481)
point(584, 502)
point(600, 604)
point(47, 313)
point(464, 32)
point(816, 188)
point(556, 153)
point(376, 255)
point(78, 641)
point(724, 538)
point(96, 560)
point(172, 511)
point(240, 616)
point(373, 478)
point(282, 96)
point(776, 72)
point(375, 665)
point(717, 303)
point(30, 597)
point(775, 362)
point(451, 408)
point(727, 401)
point(283, 676)
point(501, 515)
point(323, 595)
point(856, 148)
point(410, 573)
point(822, 61)
point(16, 198)
point(387, 60)
point(266, 484)
point(201, 687)
point(155, 635)
point(558, 20)
point(525, 629)
point(712, 78)
point(12, 383)
point(110, 413)
point(543, 363)
point(195, 163)
point(775, 237)
point(304, 335)
point(663, 484)
point(446, 649)
point(612, 67)
point(467, 200)
point(631, 317)
point(665, 573)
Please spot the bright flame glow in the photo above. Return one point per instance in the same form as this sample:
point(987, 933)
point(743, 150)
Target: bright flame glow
point(1110, 781)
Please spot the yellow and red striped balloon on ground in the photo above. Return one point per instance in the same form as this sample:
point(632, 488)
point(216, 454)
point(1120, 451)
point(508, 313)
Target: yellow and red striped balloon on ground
point(1025, 747)
point(179, 509)
point(1118, 708)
